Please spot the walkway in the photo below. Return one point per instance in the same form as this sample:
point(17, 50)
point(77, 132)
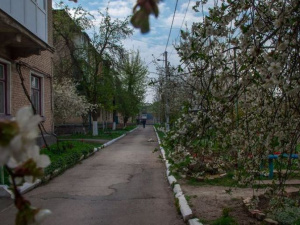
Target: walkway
point(122, 184)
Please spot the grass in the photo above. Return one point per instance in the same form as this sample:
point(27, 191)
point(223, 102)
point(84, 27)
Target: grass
point(6, 180)
point(160, 133)
point(226, 181)
point(106, 134)
point(225, 221)
point(66, 154)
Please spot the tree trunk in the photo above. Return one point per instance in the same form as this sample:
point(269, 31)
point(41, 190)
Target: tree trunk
point(114, 120)
point(95, 123)
point(114, 115)
point(125, 120)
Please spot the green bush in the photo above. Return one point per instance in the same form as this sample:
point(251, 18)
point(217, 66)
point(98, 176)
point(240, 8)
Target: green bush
point(225, 221)
point(102, 134)
point(66, 154)
point(289, 215)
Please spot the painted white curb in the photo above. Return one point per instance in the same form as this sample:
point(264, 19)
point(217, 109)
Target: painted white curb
point(5, 192)
point(177, 189)
point(132, 130)
point(163, 153)
point(29, 186)
point(113, 140)
point(172, 179)
point(157, 135)
point(168, 172)
point(168, 164)
point(185, 208)
point(194, 222)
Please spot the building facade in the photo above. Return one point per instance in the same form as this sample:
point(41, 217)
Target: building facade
point(26, 53)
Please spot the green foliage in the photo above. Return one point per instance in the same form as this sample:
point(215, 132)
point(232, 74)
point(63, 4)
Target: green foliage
point(106, 134)
point(6, 176)
point(177, 205)
point(225, 221)
point(286, 211)
point(226, 181)
point(130, 85)
point(287, 215)
point(88, 59)
point(66, 154)
point(7, 131)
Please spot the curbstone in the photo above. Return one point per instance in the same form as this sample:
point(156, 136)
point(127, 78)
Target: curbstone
point(178, 194)
point(185, 208)
point(168, 172)
point(194, 221)
point(29, 186)
point(177, 189)
point(172, 179)
point(5, 192)
point(168, 164)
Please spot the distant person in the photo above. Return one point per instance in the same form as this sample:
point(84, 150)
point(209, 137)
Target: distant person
point(144, 123)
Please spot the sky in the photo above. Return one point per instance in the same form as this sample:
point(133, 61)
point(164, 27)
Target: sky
point(153, 44)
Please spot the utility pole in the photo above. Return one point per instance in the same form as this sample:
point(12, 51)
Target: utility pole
point(167, 93)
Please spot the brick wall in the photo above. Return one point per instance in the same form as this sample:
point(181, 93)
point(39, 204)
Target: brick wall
point(40, 65)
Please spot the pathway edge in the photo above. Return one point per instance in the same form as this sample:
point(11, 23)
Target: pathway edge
point(184, 207)
point(26, 187)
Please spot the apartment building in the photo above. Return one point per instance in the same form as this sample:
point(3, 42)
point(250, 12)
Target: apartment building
point(26, 52)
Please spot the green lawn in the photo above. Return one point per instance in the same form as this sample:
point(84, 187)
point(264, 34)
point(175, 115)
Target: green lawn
point(106, 134)
point(63, 156)
point(66, 154)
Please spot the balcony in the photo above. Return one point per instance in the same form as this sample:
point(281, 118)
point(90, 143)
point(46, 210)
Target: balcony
point(16, 41)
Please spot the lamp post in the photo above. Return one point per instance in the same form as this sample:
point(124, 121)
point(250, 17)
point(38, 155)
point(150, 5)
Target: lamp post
point(166, 91)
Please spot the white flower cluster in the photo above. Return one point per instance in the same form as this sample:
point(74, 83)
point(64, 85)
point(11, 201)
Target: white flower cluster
point(245, 61)
point(22, 145)
point(67, 102)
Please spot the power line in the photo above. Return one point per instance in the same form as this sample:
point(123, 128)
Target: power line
point(171, 25)
point(155, 58)
point(182, 22)
point(184, 15)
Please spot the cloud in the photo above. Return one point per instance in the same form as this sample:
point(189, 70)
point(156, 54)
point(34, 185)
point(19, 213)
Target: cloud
point(94, 3)
point(152, 45)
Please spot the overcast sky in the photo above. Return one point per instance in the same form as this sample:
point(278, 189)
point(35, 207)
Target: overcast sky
point(153, 44)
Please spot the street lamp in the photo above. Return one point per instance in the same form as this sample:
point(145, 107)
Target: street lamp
point(167, 94)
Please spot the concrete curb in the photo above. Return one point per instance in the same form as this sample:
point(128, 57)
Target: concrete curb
point(5, 192)
point(26, 187)
point(194, 222)
point(116, 139)
point(185, 209)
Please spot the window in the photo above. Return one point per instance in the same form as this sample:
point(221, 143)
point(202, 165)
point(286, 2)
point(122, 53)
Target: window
point(3, 89)
point(36, 93)
point(41, 4)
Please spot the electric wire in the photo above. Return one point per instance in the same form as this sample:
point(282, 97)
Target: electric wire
point(182, 23)
point(171, 25)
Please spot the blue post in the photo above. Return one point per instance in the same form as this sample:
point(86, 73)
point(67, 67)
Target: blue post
point(271, 165)
point(271, 168)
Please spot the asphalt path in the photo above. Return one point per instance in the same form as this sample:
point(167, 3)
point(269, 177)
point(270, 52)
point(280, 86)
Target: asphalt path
point(123, 183)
